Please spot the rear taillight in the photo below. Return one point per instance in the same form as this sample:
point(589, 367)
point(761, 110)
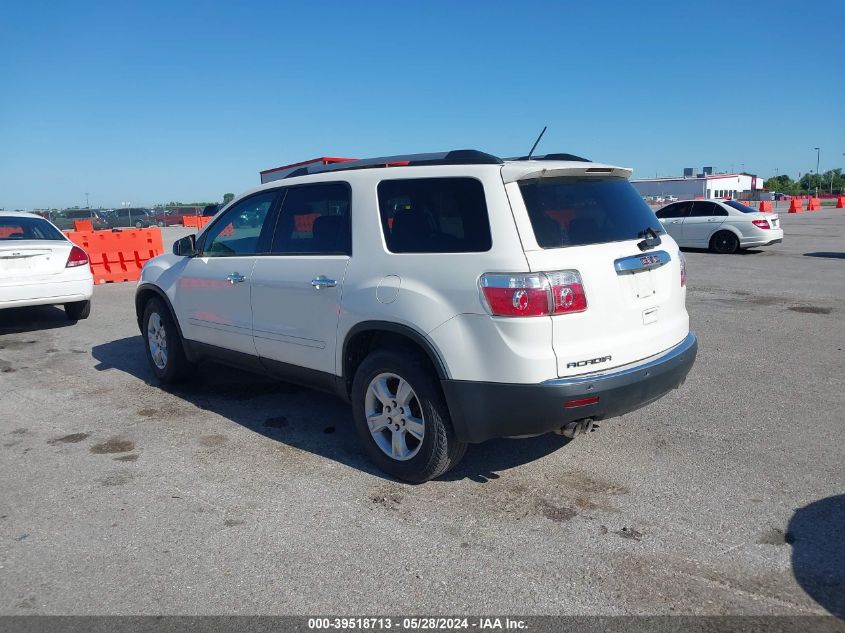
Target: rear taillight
point(533, 294)
point(761, 224)
point(77, 257)
point(567, 292)
point(683, 261)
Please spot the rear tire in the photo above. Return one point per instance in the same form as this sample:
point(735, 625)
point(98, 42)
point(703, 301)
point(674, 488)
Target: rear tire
point(427, 446)
point(163, 344)
point(139, 225)
point(78, 310)
point(724, 243)
point(160, 224)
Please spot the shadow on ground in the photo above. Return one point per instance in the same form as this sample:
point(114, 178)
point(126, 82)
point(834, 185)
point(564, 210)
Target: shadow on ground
point(31, 319)
point(305, 419)
point(707, 251)
point(817, 535)
point(826, 254)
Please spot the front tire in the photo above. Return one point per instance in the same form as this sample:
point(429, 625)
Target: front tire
point(724, 243)
point(139, 225)
point(402, 419)
point(78, 310)
point(163, 344)
point(160, 224)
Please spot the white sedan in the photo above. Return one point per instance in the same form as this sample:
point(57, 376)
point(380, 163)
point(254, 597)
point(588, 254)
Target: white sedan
point(40, 266)
point(723, 226)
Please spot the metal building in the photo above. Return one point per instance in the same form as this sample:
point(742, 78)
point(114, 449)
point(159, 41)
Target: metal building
point(703, 185)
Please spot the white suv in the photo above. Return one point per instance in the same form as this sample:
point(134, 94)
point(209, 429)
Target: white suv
point(452, 298)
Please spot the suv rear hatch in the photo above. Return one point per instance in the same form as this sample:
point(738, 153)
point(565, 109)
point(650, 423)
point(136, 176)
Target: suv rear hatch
point(588, 218)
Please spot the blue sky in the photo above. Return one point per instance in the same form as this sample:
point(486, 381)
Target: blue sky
point(157, 101)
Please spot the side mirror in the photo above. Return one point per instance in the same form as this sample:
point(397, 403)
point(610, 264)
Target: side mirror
point(185, 247)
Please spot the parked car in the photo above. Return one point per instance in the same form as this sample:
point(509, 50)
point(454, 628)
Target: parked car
point(671, 198)
point(137, 217)
point(64, 220)
point(168, 218)
point(452, 300)
point(723, 226)
point(40, 266)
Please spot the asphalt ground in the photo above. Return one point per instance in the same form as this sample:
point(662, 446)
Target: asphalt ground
point(238, 495)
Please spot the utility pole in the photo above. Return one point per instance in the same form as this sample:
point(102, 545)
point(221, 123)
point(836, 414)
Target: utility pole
point(818, 152)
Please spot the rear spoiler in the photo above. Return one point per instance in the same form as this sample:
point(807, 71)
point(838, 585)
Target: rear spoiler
point(530, 170)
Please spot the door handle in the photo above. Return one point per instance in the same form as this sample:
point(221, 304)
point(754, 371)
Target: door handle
point(675, 222)
point(323, 282)
point(235, 278)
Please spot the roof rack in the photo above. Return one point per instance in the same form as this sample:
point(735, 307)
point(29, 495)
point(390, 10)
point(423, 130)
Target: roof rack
point(455, 157)
point(571, 157)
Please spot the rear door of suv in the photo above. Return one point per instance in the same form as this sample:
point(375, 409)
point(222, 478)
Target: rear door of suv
point(296, 287)
point(590, 220)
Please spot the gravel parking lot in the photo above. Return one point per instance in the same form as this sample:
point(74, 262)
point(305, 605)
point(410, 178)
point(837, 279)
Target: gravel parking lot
point(234, 494)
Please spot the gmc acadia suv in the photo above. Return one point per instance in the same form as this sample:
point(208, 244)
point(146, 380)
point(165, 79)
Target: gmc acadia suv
point(451, 298)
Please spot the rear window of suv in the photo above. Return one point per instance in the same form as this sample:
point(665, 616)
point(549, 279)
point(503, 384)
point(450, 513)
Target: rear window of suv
point(434, 215)
point(578, 211)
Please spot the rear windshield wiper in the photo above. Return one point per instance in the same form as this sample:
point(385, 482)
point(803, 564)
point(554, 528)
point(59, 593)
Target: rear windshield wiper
point(651, 240)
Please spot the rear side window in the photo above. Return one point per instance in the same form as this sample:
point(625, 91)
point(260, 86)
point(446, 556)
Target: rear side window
point(314, 220)
point(706, 210)
point(740, 207)
point(27, 229)
point(434, 215)
point(579, 211)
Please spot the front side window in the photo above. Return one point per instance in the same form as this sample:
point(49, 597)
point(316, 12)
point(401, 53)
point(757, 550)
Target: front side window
point(25, 228)
point(314, 219)
point(239, 230)
point(571, 211)
point(678, 210)
point(434, 215)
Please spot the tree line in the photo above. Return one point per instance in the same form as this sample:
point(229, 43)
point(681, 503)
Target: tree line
point(831, 181)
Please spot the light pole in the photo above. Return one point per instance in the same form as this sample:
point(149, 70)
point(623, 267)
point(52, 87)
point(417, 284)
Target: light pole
point(818, 152)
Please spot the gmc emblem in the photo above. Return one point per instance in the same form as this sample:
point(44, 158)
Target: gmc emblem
point(592, 361)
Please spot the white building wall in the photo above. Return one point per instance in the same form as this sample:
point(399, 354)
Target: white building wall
point(729, 185)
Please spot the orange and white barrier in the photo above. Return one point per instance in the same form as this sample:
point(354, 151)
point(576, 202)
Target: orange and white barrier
point(118, 255)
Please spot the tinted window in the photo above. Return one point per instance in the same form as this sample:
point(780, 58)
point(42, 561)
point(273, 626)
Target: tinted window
point(706, 210)
point(25, 228)
point(740, 207)
point(314, 219)
point(239, 230)
point(434, 215)
point(574, 212)
point(678, 210)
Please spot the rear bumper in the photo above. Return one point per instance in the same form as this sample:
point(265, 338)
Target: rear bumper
point(772, 236)
point(46, 293)
point(482, 410)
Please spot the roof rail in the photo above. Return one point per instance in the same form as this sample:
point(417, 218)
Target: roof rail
point(455, 157)
point(560, 156)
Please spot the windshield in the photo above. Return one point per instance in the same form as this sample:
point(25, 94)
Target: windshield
point(25, 228)
point(740, 207)
point(579, 211)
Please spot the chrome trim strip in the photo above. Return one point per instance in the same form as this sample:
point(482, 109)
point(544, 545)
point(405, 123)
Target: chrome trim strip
point(637, 263)
point(679, 350)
